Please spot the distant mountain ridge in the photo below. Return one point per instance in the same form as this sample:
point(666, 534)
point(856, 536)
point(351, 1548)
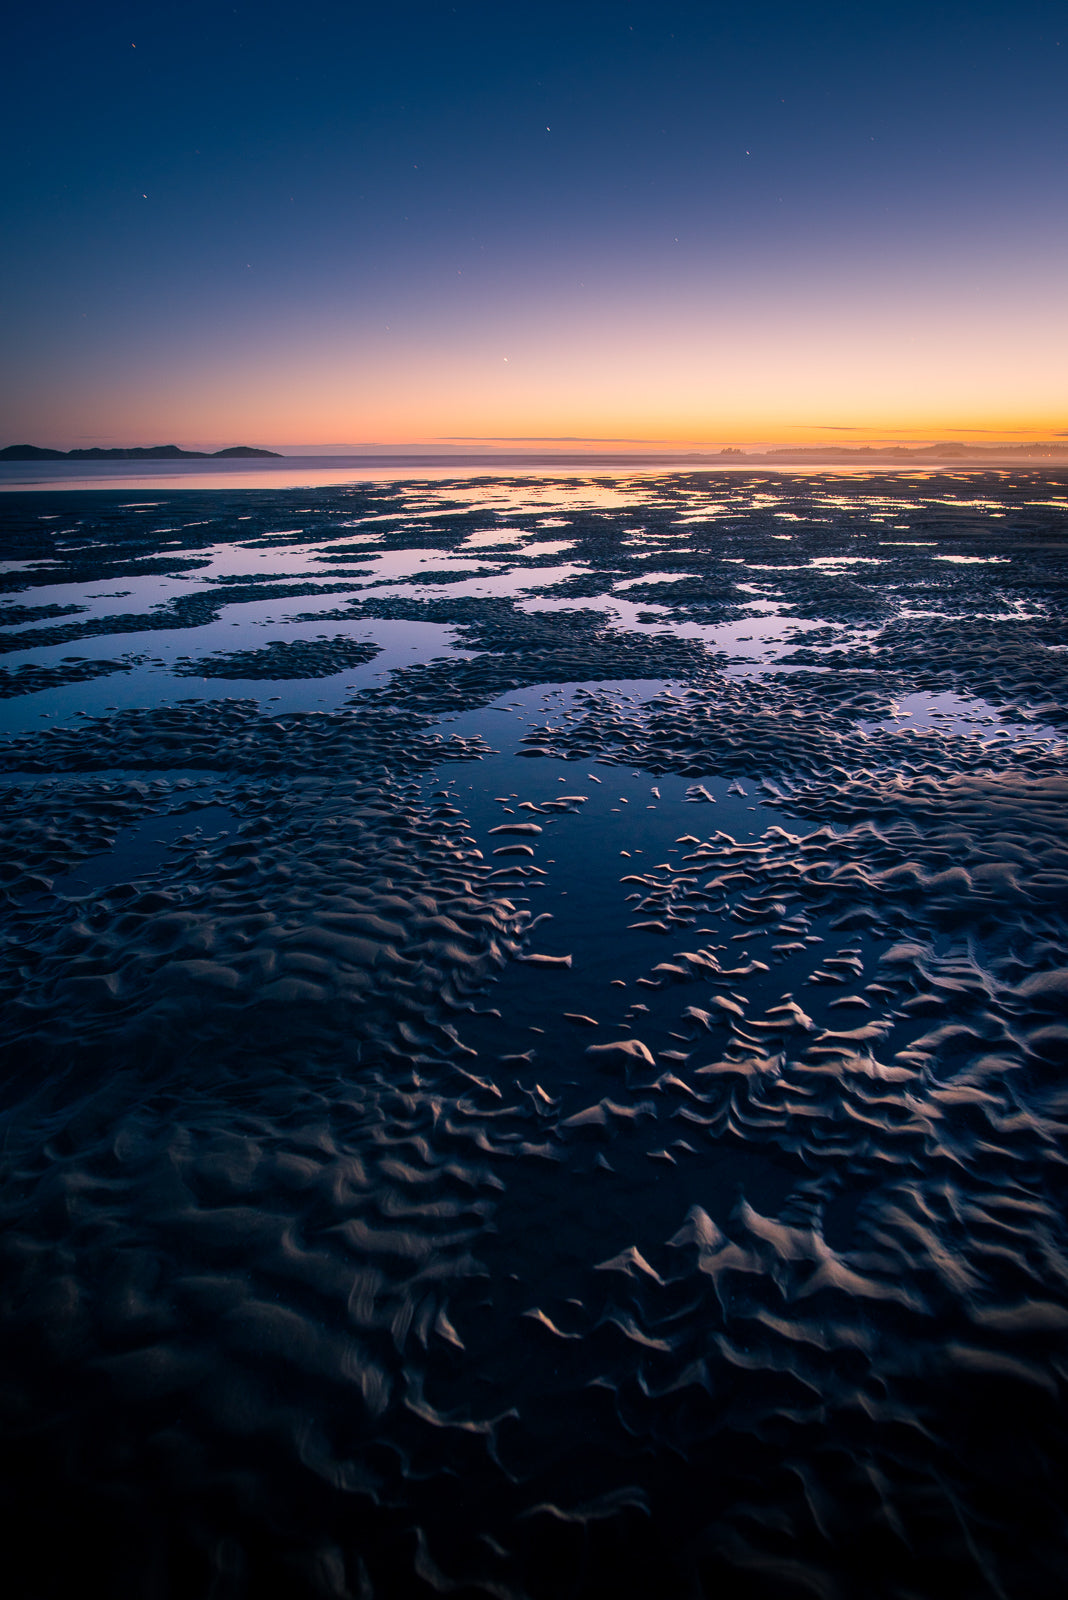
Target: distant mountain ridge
point(154, 452)
point(950, 450)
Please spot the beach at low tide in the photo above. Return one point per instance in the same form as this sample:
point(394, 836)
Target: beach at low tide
point(376, 1224)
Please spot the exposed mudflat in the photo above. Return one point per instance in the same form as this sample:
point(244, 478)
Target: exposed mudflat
point(534, 1049)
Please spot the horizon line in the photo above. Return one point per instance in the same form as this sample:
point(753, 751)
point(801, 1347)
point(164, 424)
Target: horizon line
point(956, 447)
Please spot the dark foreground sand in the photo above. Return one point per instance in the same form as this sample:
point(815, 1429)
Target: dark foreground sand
point(365, 1234)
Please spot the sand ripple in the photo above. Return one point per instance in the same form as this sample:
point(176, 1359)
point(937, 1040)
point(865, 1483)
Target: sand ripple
point(364, 1235)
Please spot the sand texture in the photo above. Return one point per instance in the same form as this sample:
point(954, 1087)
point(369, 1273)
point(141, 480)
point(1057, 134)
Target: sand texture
point(542, 1075)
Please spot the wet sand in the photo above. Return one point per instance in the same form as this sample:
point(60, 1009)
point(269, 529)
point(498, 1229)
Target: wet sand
point(582, 1113)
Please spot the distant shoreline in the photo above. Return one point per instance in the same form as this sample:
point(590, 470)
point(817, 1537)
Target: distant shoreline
point(154, 452)
point(951, 451)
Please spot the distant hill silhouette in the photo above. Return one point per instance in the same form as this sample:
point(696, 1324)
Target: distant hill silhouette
point(154, 452)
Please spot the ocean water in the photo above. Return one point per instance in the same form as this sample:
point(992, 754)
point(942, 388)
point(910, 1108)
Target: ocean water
point(534, 1043)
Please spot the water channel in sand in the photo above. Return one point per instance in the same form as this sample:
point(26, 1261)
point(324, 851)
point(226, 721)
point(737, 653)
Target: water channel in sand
point(534, 1036)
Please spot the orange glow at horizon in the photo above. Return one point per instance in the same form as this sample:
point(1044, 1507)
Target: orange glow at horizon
point(630, 373)
point(752, 229)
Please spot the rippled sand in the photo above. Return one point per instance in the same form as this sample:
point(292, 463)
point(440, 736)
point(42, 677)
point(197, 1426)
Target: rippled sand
point(416, 1178)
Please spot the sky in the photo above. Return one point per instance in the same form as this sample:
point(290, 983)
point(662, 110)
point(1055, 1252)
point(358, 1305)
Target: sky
point(609, 226)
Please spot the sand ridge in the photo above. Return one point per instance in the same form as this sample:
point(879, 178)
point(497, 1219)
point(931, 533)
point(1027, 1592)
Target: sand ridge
point(583, 1113)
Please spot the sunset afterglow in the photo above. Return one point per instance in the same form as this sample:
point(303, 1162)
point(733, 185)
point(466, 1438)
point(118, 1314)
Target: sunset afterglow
point(692, 226)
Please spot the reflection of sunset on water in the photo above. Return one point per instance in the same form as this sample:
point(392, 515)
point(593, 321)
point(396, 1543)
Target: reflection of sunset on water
point(401, 878)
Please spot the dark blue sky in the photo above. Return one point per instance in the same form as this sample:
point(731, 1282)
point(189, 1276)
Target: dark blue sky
point(240, 195)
